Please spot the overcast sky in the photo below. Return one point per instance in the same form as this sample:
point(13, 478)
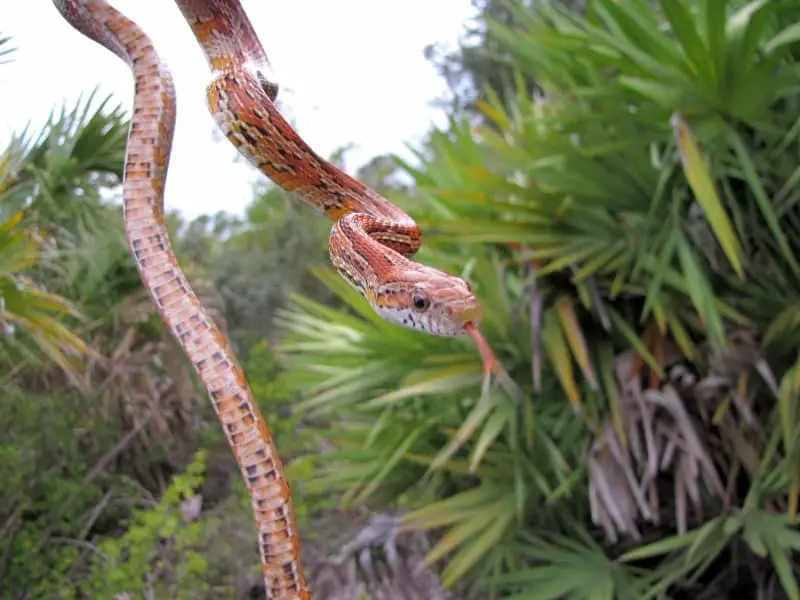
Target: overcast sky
point(351, 71)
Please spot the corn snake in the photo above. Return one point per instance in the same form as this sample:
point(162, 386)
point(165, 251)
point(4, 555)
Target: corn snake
point(370, 245)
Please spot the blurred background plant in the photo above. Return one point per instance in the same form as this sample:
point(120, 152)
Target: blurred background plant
point(619, 183)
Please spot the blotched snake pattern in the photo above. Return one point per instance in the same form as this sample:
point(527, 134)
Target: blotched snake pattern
point(370, 245)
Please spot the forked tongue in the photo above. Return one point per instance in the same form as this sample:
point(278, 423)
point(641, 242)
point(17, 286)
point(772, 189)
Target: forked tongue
point(490, 363)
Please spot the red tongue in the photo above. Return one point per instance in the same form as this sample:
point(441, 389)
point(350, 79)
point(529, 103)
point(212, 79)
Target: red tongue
point(487, 356)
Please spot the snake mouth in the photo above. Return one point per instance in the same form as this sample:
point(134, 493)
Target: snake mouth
point(471, 315)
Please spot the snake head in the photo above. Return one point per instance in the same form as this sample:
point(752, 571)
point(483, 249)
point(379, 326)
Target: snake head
point(429, 300)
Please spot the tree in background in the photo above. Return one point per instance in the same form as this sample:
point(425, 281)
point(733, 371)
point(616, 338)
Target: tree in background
point(633, 235)
point(481, 62)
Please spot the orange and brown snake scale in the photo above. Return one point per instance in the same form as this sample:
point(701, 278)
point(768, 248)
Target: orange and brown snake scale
point(146, 161)
point(370, 245)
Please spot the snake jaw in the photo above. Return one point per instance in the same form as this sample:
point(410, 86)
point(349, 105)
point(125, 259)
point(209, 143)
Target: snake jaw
point(470, 316)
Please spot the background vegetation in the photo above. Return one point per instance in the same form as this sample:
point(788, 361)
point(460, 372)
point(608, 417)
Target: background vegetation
point(619, 181)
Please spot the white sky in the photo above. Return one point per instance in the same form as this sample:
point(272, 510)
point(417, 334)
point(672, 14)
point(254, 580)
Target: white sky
point(351, 71)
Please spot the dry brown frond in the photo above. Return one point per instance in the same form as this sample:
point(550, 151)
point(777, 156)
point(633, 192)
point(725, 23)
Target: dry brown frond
point(665, 443)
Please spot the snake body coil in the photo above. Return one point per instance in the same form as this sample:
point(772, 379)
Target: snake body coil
point(370, 245)
point(371, 239)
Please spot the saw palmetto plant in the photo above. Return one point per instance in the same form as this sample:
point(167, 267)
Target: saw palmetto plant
point(32, 318)
point(633, 232)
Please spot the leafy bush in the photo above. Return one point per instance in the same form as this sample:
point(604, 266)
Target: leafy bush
point(633, 235)
point(47, 492)
point(157, 554)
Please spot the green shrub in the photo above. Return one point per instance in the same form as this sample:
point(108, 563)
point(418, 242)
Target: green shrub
point(639, 217)
point(158, 555)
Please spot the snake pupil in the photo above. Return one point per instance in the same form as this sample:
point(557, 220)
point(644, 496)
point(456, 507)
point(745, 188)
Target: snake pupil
point(419, 301)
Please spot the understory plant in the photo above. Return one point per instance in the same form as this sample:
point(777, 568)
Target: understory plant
point(633, 233)
point(96, 402)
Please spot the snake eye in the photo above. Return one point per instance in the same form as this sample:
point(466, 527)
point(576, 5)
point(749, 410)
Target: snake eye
point(420, 301)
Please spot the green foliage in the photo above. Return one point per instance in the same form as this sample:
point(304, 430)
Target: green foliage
point(255, 263)
point(46, 494)
point(641, 213)
point(76, 154)
point(481, 63)
point(30, 316)
point(157, 555)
